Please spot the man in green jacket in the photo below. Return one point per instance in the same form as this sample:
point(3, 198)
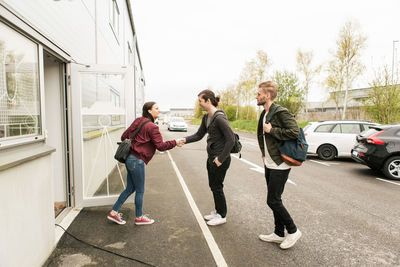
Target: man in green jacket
point(282, 126)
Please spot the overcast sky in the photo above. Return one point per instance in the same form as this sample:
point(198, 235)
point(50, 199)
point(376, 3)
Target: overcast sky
point(187, 46)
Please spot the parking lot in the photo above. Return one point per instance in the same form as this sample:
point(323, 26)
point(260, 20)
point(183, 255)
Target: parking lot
point(349, 215)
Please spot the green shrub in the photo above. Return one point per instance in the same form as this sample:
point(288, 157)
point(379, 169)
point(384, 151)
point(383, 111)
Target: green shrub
point(230, 112)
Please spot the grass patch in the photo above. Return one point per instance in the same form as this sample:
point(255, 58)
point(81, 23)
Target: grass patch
point(249, 126)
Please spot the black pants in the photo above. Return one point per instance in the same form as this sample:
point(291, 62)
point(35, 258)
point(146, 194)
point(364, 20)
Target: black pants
point(216, 176)
point(276, 180)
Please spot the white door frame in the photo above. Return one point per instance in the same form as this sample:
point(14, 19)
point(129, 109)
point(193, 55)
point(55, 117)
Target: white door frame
point(74, 77)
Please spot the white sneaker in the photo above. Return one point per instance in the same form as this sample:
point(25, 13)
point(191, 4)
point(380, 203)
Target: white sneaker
point(211, 216)
point(217, 220)
point(273, 238)
point(290, 240)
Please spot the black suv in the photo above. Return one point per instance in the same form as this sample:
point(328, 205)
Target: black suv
point(379, 149)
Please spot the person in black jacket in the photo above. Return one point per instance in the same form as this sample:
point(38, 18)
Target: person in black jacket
point(220, 141)
point(282, 126)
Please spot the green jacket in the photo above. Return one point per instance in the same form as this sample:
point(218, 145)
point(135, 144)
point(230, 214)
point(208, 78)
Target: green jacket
point(284, 127)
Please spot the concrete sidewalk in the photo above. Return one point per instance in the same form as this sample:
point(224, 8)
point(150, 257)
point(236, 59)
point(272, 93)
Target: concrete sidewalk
point(175, 239)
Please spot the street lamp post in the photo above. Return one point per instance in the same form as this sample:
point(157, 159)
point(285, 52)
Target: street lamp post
point(394, 41)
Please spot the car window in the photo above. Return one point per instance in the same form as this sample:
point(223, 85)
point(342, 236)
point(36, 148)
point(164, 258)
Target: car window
point(337, 129)
point(351, 128)
point(326, 128)
point(368, 126)
point(177, 119)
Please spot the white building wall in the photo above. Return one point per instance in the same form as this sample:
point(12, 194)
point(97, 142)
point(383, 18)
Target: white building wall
point(72, 26)
point(28, 214)
point(67, 23)
point(27, 224)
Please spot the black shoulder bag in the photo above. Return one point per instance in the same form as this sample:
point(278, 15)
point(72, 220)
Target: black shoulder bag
point(124, 147)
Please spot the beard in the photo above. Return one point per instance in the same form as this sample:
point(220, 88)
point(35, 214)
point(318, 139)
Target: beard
point(261, 102)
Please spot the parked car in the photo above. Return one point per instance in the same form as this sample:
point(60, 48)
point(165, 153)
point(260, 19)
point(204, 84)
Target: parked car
point(379, 149)
point(177, 124)
point(330, 139)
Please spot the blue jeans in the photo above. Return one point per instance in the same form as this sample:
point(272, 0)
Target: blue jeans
point(135, 182)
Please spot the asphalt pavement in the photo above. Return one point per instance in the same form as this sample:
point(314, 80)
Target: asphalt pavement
point(348, 214)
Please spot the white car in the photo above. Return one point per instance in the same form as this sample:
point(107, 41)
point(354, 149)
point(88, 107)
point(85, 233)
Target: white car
point(330, 139)
point(177, 124)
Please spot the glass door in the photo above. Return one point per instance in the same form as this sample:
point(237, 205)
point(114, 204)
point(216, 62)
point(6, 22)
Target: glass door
point(102, 99)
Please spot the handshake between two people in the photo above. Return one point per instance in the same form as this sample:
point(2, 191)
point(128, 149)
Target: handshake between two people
point(180, 142)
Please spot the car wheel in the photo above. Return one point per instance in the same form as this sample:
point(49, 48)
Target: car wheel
point(326, 152)
point(391, 168)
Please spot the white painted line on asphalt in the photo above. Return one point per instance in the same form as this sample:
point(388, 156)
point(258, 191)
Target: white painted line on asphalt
point(322, 163)
point(216, 252)
point(260, 170)
point(387, 181)
point(256, 167)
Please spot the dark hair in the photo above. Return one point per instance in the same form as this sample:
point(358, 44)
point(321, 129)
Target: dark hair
point(208, 94)
point(145, 110)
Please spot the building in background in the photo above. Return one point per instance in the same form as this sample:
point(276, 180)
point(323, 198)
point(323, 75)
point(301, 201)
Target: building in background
point(326, 110)
point(187, 113)
point(71, 80)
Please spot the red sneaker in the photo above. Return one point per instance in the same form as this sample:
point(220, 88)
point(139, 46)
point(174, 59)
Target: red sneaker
point(117, 218)
point(143, 220)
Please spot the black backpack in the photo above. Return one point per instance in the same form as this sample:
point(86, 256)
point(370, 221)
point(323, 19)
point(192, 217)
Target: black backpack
point(293, 152)
point(237, 146)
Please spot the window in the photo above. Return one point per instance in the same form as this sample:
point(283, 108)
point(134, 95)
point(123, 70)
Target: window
point(20, 114)
point(337, 129)
point(114, 18)
point(326, 128)
point(350, 128)
point(368, 126)
point(103, 101)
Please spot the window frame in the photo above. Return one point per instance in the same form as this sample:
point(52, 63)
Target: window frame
point(21, 140)
point(114, 18)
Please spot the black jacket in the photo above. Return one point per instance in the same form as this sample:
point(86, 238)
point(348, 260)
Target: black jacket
point(220, 138)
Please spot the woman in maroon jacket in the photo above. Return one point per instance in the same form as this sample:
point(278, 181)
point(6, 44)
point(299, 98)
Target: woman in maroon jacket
point(144, 145)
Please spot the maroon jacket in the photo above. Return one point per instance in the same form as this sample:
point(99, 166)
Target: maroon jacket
point(149, 138)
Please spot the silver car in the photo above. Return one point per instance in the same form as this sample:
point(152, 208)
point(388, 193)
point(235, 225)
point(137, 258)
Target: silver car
point(177, 124)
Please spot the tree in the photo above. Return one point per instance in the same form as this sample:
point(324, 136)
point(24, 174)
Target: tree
point(239, 93)
point(383, 102)
point(334, 82)
point(304, 66)
point(290, 95)
point(346, 64)
point(228, 97)
point(198, 112)
point(254, 72)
